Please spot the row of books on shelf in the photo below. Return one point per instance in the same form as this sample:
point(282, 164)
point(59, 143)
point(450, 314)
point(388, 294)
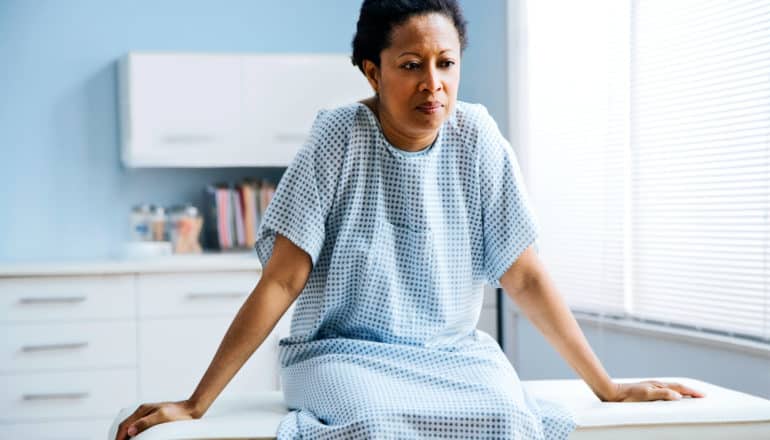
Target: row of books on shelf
point(234, 211)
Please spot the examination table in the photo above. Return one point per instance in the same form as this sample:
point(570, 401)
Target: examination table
point(721, 414)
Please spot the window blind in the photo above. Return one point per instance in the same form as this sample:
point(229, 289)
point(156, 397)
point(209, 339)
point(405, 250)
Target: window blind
point(700, 137)
point(577, 145)
point(648, 157)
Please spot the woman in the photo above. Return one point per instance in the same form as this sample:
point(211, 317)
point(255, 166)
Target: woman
point(385, 227)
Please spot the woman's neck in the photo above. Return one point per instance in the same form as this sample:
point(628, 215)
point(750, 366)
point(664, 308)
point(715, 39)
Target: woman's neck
point(397, 137)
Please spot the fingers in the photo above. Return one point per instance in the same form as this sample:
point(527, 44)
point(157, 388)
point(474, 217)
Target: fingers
point(656, 393)
point(685, 391)
point(655, 390)
point(681, 389)
point(140, 412)
point(147, 421)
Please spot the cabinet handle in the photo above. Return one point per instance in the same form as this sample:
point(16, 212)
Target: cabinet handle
point(290, 137)
point(187, 139)
point(52, 300)
point(50, 347)
point(56, 396)
point(217, 296)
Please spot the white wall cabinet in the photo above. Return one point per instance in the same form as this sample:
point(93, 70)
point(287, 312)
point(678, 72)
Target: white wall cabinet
point(180, 108)
point(220, 110)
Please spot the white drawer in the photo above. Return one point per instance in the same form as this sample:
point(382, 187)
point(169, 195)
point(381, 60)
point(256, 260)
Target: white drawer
point(66, 298)
point(89, 429)
point(44, 347)
point(44, 396)
point(175, 353)
point(194, 294)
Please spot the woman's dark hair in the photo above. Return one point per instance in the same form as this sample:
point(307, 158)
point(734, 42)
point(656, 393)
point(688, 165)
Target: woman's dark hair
point(378, 18)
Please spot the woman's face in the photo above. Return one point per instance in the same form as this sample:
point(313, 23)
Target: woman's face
point(418, 76)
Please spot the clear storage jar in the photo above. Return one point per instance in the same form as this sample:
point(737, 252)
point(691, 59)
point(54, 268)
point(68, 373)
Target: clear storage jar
point(139, 222)
point(185, 224)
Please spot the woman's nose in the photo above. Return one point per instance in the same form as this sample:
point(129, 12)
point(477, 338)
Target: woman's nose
point(432, 81)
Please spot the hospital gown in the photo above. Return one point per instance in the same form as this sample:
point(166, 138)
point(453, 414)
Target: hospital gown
point(383, 340)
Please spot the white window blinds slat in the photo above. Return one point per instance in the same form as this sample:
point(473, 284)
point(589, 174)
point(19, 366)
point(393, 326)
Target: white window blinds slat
point(578, 149)
point(648, 148)
point(700, 142)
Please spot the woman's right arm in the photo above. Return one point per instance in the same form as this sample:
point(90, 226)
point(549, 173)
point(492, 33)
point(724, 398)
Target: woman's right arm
point(283, 278)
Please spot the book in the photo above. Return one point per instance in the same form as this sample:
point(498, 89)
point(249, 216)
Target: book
point(211, 218)
point(225, 216)
point(268, 190)
point(247, 189)
point(238, 217)
point(233, 212)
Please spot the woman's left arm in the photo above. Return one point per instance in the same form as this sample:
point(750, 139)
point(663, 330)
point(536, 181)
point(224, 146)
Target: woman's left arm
point(530, 287)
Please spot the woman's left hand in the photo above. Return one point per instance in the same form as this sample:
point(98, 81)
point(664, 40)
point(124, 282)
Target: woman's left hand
point(651, 390)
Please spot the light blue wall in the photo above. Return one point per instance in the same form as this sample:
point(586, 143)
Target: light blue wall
point(627, 353)
point(63, 190)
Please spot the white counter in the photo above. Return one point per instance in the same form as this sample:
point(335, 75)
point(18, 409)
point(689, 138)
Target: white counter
point(175, 263)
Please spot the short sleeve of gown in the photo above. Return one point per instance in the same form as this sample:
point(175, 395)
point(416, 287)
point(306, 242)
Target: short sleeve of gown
point(299, 206)
point(509, 222)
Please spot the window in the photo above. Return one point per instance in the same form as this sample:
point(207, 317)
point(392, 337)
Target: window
point(643, 127)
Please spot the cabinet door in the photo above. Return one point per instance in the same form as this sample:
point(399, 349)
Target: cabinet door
point(181, 109)
point(72, 345)
point(65, 395)
point(80, 429)
point(174, 355)
point(283, 93)
point(184, 295)
point(66, 298)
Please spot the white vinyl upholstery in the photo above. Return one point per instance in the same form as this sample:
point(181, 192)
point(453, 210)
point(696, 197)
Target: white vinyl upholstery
point(722, 414)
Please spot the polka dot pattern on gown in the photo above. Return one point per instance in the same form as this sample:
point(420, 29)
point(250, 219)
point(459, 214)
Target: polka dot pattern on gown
point(383, 339)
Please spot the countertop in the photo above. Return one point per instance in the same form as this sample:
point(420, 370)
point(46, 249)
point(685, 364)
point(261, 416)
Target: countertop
point(173, 263)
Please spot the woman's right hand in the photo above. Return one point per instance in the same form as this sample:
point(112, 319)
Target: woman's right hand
point(150, 414)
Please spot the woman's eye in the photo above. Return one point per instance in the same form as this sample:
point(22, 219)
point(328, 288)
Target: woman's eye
point(414, 65)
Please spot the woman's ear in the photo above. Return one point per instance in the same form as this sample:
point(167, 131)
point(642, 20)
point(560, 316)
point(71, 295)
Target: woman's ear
point(372, 73)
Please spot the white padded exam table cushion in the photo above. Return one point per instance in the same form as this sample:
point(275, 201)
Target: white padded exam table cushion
point(723, 413)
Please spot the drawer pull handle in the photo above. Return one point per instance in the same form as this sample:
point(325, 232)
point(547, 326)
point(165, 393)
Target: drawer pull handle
point(50, 347)
point(56, 396)
point(290, 137)
point(53, 300)
point(205, 296)
point(185, 139)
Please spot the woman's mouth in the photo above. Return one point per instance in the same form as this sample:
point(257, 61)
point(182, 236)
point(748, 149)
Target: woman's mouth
point(429, 107)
